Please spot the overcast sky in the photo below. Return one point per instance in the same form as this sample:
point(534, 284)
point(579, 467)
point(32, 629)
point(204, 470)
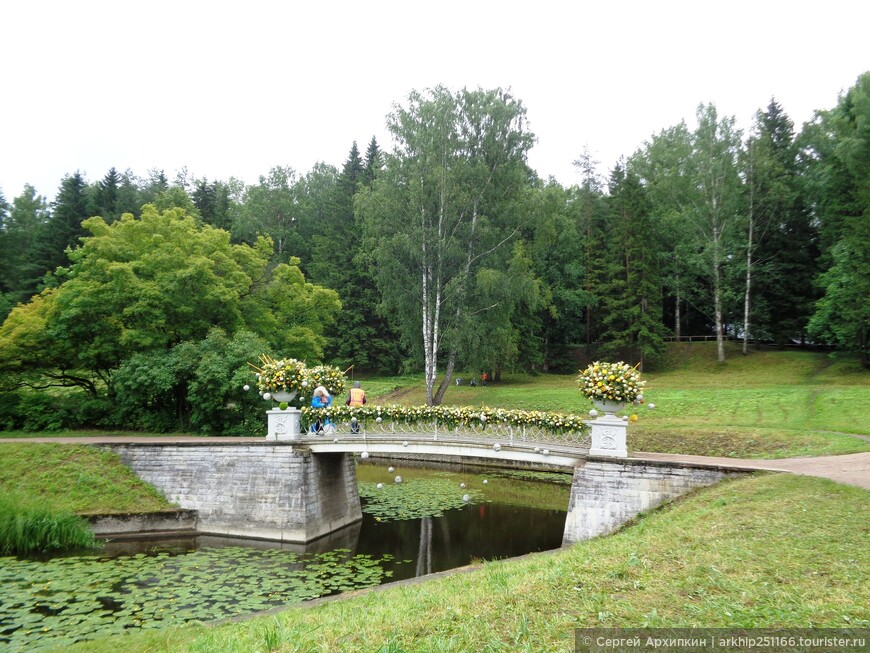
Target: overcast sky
point(233, 89)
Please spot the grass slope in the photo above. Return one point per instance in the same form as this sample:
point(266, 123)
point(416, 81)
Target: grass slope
point(73, 478)
point(771, 550)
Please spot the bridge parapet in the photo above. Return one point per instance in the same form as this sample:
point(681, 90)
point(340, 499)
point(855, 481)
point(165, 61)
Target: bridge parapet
point(492, 430)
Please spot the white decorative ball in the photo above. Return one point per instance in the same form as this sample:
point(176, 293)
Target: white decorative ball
point(246, 387)
point(335, 439)
point(379, 420)
point(380, 486)
point(462, 485)
point(485, 481)
point(364, 455)
point(496, 447)
point(651, 406)
point(625, 418)
point(465, 497)
point(405, 443)
point(305, 384)
point(546, 452)
point(593, 413)
point(483, 417)
point(267, 396)
point(537, 449)
point(391, 469)
point(398, 479)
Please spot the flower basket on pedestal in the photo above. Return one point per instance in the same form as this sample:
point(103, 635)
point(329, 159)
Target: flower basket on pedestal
point(610, 386)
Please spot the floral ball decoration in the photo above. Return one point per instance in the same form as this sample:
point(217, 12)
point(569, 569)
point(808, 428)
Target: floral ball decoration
point(611, 382)
point(329, 377)
point(285, 374)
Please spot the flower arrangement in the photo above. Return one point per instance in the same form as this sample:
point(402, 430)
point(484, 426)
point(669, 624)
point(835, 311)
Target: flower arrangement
point(450, 416)
point(611, 382)
point(287, 374)
point(329, 377)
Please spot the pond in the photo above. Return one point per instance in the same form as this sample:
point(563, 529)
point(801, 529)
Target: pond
point(426, 520)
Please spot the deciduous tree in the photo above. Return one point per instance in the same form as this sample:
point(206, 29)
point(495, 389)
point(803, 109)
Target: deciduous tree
point(444, 206)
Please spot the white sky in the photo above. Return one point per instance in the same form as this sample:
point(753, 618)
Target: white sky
point(232, 89)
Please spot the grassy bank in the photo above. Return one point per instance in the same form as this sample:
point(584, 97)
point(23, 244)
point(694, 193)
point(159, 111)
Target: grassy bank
point(773, 550)
point(73, 478)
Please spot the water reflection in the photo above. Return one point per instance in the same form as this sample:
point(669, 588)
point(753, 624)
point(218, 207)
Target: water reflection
point(513, 516)
point(345, 538)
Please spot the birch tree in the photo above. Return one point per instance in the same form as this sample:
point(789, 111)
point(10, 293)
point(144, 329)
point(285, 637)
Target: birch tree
point(700, 188)
point(445, 207)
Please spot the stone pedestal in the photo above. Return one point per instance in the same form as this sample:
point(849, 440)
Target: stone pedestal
point(283, 424)
point(609, 437)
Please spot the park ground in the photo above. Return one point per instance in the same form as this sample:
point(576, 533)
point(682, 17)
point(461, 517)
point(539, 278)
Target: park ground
point(767, 550)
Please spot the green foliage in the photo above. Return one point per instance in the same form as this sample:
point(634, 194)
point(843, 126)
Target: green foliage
point(360, 336)
point(41, 411)
point(785, 246)
point(840, 145)
point(30, 529)
point(194, 386)
point(843, 313)
point(629, 298)
point(141, 302)
point(20, 271)
point(273, 207)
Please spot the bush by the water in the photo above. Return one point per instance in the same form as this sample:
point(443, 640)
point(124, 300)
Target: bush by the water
point(30, 529)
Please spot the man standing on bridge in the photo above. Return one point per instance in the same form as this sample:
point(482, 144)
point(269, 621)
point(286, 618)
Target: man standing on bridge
point(355, 399)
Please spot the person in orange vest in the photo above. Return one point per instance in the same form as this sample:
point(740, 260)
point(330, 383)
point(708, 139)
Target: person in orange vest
point(356, 398)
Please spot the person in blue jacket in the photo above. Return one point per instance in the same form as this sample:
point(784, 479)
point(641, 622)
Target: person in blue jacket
point(320, 399)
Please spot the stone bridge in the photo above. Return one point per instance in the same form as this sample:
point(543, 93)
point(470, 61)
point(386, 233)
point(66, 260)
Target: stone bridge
point(299, 486)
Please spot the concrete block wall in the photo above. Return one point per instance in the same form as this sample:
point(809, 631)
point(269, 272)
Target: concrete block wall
point(270, 490)
point(605, 494)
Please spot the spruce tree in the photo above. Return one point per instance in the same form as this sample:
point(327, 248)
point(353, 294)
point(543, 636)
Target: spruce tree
point(786, 237)
point(21, 222)
point(630, 297)
point(106, 196)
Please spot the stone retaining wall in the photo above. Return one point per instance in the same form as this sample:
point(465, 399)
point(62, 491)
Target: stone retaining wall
point(270, 491)
point(143, 523)
point(605, 495)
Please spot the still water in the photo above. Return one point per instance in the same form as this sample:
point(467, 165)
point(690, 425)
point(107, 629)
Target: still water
point(426, 520)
